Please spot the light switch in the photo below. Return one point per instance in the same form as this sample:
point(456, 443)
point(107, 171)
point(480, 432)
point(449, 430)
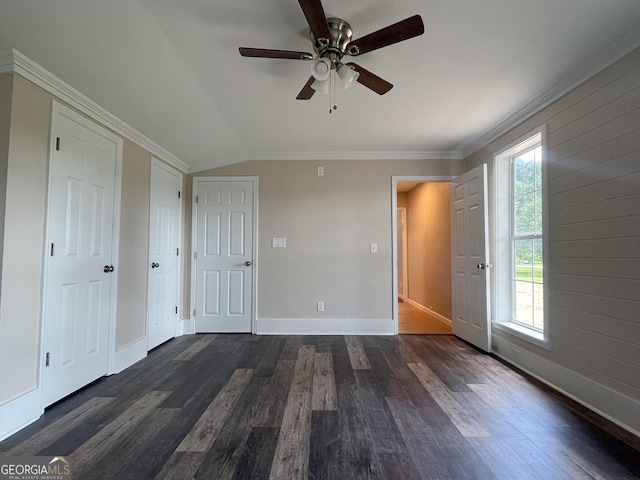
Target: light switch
point(321, 171)
point(374, 248)
point(278, 242)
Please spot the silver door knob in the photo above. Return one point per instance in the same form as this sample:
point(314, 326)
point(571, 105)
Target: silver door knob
point(155, 265)
point(108, 269)
point(480, 266)
point(247, 263)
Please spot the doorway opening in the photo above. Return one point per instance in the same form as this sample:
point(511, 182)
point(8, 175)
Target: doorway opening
point(422, 255)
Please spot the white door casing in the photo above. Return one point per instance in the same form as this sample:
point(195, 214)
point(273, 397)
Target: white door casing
point(81, 259)
point(224, 254)
point(164, 254)
point(470, 258)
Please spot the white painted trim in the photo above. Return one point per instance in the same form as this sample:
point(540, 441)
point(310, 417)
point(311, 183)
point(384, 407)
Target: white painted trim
point(598, 63)
point(130, 354)
point(324, 326)
point(20, 412)
point(501, 230)
point(614, 406)
point(15, 62)
point(194, 239)
point(434, 314)
point(374, 155)
point(394, 235)
point(187, 326)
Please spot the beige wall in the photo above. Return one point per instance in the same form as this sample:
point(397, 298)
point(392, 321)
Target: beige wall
point(594, 235)
point(24, 239)
point(6, 92)
point(24, 223)
point(429, 246)
point(134, 243)
point(329, 223)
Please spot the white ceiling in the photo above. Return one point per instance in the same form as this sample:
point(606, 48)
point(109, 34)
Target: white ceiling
point(171, 69)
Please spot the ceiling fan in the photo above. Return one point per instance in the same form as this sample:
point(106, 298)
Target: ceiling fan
point(332, 40)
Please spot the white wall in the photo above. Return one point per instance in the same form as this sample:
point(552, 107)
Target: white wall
point(594, 250)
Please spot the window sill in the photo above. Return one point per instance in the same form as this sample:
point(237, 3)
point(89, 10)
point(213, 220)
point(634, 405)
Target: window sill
point(524, 333)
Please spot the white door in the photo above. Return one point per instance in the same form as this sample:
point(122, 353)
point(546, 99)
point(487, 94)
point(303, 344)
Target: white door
point(470, 257)
point(224, 255)
point(164, 242)
point(79, 281)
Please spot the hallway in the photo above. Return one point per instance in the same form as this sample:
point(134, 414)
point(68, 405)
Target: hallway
point(413, 320)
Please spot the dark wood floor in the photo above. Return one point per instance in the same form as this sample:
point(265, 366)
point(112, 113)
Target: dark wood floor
point(249, 407)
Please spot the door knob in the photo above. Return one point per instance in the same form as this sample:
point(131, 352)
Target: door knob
point(155, 265)
point(247, 263)
point(481, 266)
point(108, 269)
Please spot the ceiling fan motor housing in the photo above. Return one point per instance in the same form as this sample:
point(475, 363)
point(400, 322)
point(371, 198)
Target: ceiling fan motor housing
point(341, 35)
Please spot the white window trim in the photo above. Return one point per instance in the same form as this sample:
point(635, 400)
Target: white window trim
point(502, 301)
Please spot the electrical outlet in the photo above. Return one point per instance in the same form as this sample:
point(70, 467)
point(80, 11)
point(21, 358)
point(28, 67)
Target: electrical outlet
point(320, 306)
point(374, 248)
point(321, 171)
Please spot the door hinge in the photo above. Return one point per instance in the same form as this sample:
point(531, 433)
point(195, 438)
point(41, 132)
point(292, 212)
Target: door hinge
point(194, 312)
point(196, 198)
point(53, 249)
point(176, 310)
point(47, 358)
point(57, 143)
point(195, 255)
point(177, 251)
point(178, 193)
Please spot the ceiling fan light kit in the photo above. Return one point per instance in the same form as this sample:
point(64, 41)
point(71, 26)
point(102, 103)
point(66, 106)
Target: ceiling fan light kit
point(331, 39)
point(321, 69)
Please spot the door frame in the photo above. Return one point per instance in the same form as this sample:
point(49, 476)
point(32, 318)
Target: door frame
point(254, 239)
point(60, 109)
point(404, 260)
point(165, 166)
point(394, 228)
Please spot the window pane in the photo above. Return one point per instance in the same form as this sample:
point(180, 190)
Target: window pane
point(524, 213)
point(537, 213)
point(538, 168)
point(524, 173)
point(523, 311)
point(538, 267)
point(523, 260)
point(538, 306)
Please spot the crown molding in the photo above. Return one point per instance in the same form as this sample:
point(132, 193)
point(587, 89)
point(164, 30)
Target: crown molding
point(12, 61)
point(609, 56)
point(354, 155)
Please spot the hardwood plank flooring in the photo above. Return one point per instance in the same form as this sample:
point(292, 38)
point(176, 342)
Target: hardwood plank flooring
point(235, 406)
point(413, 320)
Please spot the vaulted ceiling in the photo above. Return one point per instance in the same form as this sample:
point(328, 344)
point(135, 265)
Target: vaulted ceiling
point(171, 69)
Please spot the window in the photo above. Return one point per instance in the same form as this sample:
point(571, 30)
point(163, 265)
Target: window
point(520, 239)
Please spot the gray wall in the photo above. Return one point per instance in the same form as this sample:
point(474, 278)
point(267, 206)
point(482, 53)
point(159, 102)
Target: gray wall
point(594, 234)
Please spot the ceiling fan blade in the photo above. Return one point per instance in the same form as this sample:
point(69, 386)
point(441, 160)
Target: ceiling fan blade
point(268, 53)
point(398, 32)
point(316, 18)
point(370, 80)
point(307, 92)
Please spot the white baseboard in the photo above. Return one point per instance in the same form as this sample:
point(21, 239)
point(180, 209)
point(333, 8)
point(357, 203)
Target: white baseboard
point(442, 318)
point(187, 326)
point(614, 406)
point(132, 353)
point(20, 412)
point(324, 326)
